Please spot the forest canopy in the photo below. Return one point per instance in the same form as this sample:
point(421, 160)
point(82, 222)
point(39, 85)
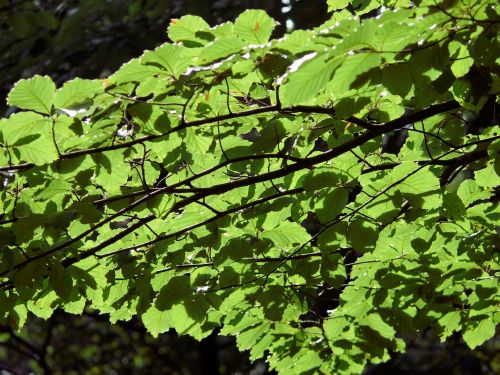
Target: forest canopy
point(322, 197)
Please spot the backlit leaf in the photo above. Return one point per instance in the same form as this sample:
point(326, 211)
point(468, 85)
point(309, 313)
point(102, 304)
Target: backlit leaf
point(36, 94)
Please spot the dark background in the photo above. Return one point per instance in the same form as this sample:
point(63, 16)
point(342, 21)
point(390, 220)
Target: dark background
point(91, 39)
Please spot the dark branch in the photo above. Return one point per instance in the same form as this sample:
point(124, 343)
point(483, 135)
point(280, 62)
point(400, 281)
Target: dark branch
point(222, 188)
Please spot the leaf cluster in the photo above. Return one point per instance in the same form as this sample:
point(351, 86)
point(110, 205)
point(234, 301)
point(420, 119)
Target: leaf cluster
point(226, 180)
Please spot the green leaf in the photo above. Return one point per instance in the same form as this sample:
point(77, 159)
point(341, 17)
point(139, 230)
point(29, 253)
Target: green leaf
point(286, 234)
point(188, 29)
point(470, 192)
point(488, 177)
point(197, 143)
point(132, 71)
point(156, 321)
point(306, 79)
point(331, 203)
point(462, 61)
point(320, 178)
point(220, 48)
point(362, 235)
point(375, 322)
point(44, 306)
point(112, 171)
point(254, 26)
point(333, 270)
point(351, 70)
point(77, 93)
point(395, 79)
point(160, 205)
point(450, 323)
point(60, 280)
point(247, 338)
point(478, 331)
point(29, 136)
point(151, 118)
point(190, 315)
point(169, 58)
point(421, 189)
point(35, 94)
point(176, 290)
point(75, 307)
point(337, 4)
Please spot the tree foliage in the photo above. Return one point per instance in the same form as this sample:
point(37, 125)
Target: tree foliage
point(226, 180)
point(92, 38)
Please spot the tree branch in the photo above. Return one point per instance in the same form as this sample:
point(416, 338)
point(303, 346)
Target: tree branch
point(222, 188)
point(435, 109)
